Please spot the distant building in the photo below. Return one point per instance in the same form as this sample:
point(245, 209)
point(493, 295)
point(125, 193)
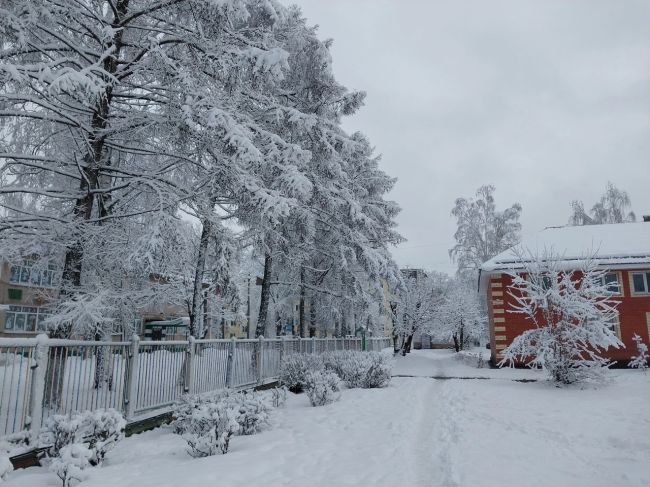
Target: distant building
point(623, 249)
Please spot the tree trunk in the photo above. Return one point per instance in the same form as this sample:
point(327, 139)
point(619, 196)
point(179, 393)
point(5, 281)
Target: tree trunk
point(406, 348)
point(312, 316)
point(83, 208)
point(301, 308)
point(197, 293)
point(265, 297)
point(456, 344)
point(462, 337)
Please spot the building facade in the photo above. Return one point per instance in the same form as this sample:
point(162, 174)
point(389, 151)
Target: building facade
point(623, 250)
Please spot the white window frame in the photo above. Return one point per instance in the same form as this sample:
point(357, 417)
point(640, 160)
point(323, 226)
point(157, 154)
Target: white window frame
point(619, 282)
point(646, 280)
point(25, 314)
point(45, 278)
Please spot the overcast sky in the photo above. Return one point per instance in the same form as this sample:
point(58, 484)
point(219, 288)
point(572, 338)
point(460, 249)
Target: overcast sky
point(547, 100)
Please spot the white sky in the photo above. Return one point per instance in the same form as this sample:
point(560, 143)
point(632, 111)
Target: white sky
point(547, 100)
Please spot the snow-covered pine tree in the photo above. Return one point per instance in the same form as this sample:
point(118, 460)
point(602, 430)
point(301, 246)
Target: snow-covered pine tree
point(573, 314)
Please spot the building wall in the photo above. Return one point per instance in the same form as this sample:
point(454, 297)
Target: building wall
point(32, 300)
point(634, 316)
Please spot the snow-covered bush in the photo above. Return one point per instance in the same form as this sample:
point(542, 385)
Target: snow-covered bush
point(323, 387)
point(61, 430)
point(207, 427)
point(640, 360)
point(378, 371)
point(5, 466)
point(472, 359)
point(100, 429)
point(278, 396)
point(253, 412)
point(360, 369)
point(572, 312)
point(71, 463)
point(294, 370)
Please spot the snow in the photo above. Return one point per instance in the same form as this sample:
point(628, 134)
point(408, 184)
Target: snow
point(416, 432)
point(615, 244)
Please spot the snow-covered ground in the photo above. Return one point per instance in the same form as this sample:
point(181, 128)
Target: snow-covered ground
point(417, 432)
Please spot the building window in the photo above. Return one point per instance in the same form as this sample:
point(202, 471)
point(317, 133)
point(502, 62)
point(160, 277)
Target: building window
point(641, 282)
point(28, 274)
point(611, 282)
point(26, 318)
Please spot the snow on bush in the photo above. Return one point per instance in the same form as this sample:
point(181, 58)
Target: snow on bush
point(294, 370)
point(278, 396)
point(71, 463)
point(253, 412)
point(207, 427)
point(100, 429)
point(472, 359)
point(572, 312)
point(360, 369)
point(61, 430)
point(5, 467)
point(640, 360)
point(323, 387)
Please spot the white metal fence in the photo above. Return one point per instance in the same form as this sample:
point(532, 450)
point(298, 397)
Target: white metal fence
point(40, 377)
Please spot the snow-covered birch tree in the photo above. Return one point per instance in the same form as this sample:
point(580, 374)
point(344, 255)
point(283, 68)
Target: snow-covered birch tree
point(483, 231)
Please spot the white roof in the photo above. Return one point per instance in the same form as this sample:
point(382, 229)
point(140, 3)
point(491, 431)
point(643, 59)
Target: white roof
point(614, 245)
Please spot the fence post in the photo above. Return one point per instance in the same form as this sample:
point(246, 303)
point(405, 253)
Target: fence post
point(230, 366)
point(188, 381)
point(37, 387)
point(283, 344)
point(300, 344)
point(313, 345)
point(131, 382)
point(260, 355)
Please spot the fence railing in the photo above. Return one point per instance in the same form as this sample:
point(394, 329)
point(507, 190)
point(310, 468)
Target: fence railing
point(40, 377)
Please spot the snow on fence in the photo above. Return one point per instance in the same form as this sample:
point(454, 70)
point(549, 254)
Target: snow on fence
point(40, 377)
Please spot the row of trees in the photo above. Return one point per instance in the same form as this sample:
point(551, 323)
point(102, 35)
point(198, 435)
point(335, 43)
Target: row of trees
point(151, 146)
point(446, 309)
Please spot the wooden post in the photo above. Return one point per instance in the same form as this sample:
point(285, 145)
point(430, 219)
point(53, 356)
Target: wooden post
point(37, 387)
point(131, 382)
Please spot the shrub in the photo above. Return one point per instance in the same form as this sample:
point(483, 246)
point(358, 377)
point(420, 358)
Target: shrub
point(101, 429)
point(253, 412)
point(323, 387)
point(71, 462)
point(294, 370)
point(61, 430)
point(208, 427)
point(279, 396)
point(640, 360)
point(360, 369)
point(6, 466)
point(379, 370)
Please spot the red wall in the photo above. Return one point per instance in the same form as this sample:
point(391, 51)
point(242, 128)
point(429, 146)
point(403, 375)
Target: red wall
point(505, 326)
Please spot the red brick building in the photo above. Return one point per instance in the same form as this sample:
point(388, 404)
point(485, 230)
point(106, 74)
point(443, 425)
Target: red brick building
point(622, 249)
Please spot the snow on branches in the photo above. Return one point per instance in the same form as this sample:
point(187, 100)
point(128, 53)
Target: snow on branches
point(573, 312)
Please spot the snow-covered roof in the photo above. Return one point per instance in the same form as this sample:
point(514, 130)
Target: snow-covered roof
point(613, 245)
